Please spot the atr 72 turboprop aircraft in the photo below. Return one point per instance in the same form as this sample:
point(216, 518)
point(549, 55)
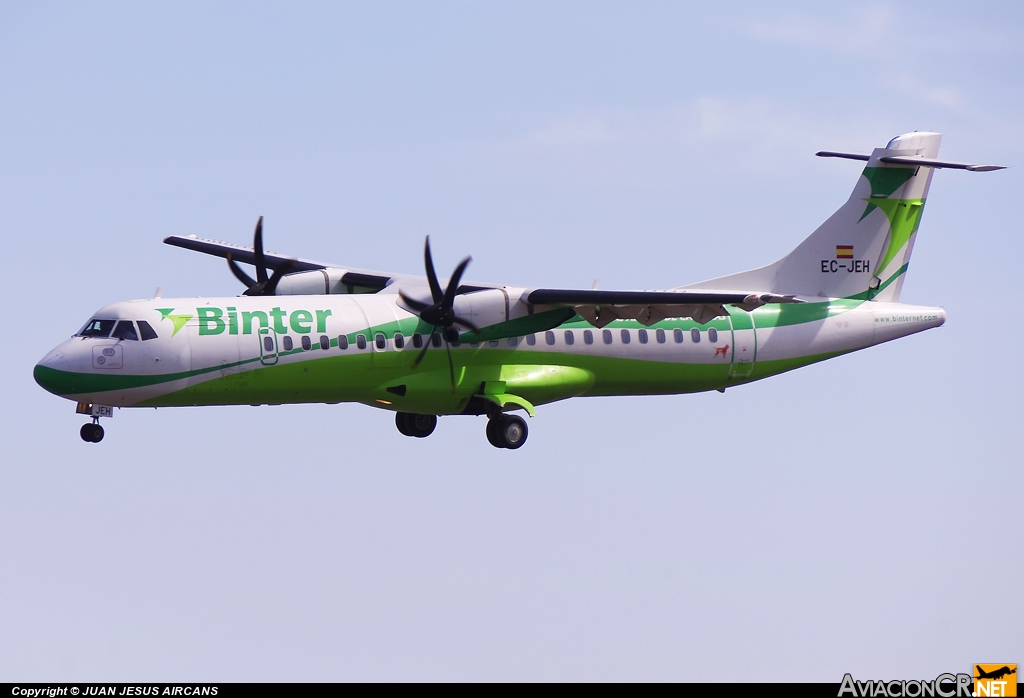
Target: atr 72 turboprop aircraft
point(421, 346)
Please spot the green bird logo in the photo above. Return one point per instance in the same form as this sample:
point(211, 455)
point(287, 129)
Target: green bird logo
point(178, 320)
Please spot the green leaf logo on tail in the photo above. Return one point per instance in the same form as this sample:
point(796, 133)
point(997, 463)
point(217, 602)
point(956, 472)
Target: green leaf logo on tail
point(884, 181)
point(904, 217)
point(178, 320)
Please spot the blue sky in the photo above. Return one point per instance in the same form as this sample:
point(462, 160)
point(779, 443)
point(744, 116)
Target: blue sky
point(853, 516)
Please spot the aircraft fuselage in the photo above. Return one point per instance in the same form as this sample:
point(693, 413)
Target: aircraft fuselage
point(360, 348)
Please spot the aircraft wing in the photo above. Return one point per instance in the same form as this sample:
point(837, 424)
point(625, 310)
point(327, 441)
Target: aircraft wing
point(648, 307)
point(596, 306)
point(353, 277)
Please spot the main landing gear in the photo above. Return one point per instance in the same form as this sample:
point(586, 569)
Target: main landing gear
point(418, 425)
point(503, 430)
point(92, 432)
point(506, 431)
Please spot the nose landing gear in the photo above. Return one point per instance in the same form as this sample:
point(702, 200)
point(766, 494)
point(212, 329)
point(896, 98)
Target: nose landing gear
point(92, 433)
point(506, 431)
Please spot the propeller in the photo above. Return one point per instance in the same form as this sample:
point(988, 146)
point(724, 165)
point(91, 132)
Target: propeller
point(441, 314)
point(262, 285)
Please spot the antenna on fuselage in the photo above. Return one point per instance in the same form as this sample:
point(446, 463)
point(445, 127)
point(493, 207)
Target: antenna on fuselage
point(159, 292)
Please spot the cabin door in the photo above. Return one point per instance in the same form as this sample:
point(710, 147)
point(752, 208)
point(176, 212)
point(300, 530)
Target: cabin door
point(268, 346)
point(744, 343)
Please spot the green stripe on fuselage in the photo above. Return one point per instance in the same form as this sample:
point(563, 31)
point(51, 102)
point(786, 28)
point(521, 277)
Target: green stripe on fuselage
point(352, 375)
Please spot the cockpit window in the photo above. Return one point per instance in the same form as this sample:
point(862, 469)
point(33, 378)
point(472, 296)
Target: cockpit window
point(146, 330)
point(125, 330)
point(97, 328)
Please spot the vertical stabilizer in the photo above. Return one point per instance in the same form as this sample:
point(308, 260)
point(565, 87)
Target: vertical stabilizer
point(902, 209)
point(864, 248)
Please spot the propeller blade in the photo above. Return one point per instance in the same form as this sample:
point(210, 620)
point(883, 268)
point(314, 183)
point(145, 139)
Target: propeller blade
point(270, 288)
point(453, 284)
point(451, 366)
point(257, 250)
point(428, 260)
point(239, 274)
point(416, 305)
point(426, 345)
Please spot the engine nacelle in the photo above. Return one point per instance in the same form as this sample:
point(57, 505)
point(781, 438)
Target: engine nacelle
point(503, 312)
point(318, 282)
point(483, 308)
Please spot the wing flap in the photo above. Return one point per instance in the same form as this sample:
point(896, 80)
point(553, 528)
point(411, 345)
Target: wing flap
point(649, 307)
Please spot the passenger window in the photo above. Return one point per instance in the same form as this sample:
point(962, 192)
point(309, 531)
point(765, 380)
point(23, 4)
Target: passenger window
point(360, 341)
point(531, 339)
point(146, 330)
point(712, 335)
point(660, 334)
point(677, 334)
point(380, 340)
point(125, 330)
point(97, 328)
point(435, 339)
point(643, 336)
point(342, 341)
point(512, 341)
point(549, 337)
point(288, 343)
point(493, 342)
point(268, 345)
point(307, 344)
point(399, 341)
point(417, 340)
point(325, 342)
point(472, 344)
point(607, 336)
point(588, 337)
point(695, 335)
point(625, 336)
point(569, 338)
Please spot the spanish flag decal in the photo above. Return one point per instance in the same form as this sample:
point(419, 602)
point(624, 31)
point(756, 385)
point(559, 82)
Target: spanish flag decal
point(844, 251)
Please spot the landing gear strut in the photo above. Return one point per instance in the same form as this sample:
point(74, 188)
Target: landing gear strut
point(506, 431)
point(93, 432)
point(418, 425)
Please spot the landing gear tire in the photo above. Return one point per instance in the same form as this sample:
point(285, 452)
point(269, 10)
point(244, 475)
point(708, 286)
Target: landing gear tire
point(417, 425)
point(493, 425)
point(91, 433)
point(507, 431)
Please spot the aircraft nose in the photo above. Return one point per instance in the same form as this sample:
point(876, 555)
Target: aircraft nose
point(47, 371)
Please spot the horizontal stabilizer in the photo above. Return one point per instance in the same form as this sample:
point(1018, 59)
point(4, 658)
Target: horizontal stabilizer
point(912, 160)
point(927, 162)
point(847, 156)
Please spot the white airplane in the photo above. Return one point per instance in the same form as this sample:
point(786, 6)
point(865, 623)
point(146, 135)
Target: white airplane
point(421, 346)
